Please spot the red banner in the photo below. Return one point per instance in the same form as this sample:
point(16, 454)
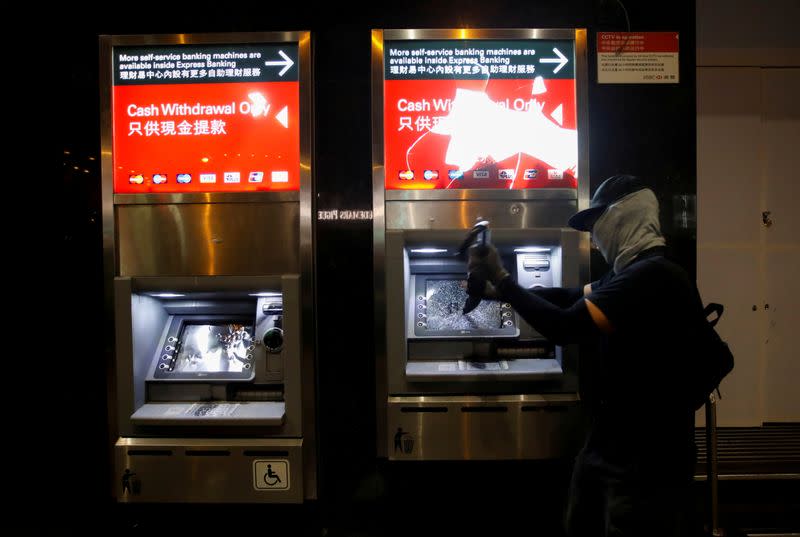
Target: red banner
point(226, 137)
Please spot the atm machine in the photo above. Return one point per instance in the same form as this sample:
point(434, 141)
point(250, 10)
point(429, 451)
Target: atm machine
point(207, 204)
point(469, 126)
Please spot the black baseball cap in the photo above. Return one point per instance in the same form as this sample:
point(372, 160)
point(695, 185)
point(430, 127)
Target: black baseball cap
point(610, 191)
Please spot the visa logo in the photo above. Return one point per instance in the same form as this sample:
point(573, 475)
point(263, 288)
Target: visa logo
point(208, 177)
point(480, 174)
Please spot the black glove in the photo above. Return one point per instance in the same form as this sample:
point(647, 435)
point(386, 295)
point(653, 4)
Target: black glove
point(484, 259)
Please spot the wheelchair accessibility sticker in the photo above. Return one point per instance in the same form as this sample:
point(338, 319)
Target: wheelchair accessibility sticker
point(271, 474)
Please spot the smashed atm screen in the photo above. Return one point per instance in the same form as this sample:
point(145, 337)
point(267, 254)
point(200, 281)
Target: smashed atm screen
point(206, 118)
point(476, 113)
point(445, 302)
point(214, 348)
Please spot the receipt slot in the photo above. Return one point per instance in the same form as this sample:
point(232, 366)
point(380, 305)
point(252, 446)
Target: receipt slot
point(208, 260)
point(472, 125)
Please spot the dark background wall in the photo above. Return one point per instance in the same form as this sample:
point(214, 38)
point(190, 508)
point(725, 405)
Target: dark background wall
point(647, 130)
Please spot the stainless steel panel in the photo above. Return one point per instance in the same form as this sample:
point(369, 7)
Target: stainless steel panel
point(202, 470)
point(206, 39)
point(205, 197)
point(378, 238)
point(463, 214)
point(480, 33)
point(208, 239)
point(487, 427)
point(477, 194)
point(306, 373)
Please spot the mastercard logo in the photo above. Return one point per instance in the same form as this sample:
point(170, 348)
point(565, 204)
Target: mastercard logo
point(137, 179)
point(406, 175)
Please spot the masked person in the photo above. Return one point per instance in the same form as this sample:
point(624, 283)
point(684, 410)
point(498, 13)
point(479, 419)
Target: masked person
point(633, 476)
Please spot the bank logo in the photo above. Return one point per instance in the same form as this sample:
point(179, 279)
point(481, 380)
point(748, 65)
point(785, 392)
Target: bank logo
point(531, 173)
point(256, 177)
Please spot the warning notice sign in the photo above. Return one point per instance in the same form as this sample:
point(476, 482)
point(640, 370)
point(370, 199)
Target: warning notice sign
point(637, 58)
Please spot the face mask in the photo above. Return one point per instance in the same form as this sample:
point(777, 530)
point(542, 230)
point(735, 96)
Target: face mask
point(627, 228)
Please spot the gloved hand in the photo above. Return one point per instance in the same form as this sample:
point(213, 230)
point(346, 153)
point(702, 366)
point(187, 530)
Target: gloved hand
point(484, 259)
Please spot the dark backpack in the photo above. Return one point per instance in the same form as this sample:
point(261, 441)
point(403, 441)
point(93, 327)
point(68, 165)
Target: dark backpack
point(713, 360)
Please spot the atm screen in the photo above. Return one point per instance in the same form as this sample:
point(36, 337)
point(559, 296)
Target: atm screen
point(445, 304)
point(214, 348)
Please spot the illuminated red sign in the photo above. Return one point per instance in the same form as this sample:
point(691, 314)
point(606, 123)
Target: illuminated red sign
point(206, 119)
point(480, 114)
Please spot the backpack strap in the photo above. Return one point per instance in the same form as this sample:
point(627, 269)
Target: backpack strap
point(713, 307)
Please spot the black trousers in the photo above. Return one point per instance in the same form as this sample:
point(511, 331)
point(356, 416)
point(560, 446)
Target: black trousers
point(627, 499)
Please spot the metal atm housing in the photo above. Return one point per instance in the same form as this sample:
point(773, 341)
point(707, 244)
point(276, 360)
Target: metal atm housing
point(487, 385)
point(211, 295)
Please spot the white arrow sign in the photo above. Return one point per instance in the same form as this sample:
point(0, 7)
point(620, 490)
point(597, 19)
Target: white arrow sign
point(287, 63)
point(561, 60)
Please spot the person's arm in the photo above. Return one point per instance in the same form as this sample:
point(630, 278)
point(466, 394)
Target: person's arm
point(560, 325)
point(562, 297)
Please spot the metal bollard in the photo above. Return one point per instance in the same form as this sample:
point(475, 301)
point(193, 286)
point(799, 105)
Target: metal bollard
point(711, 464)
